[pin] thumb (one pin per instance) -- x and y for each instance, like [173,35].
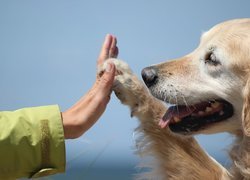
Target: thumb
[107,79]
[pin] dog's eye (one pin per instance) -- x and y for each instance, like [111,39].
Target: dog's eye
[211,59]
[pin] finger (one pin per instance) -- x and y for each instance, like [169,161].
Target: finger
[113,48]
[116,52]
[106,81]
[104,54]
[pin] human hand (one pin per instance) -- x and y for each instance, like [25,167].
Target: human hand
[83,115]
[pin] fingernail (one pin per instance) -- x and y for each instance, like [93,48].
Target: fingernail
[107,38]
[109,67]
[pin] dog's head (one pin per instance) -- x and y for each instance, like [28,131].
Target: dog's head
[208,88]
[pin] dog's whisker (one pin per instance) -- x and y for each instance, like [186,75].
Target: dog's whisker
[176,100]
[188,107]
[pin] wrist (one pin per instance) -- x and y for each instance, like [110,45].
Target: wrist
[70,125]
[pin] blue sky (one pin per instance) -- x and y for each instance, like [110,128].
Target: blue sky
[48,52]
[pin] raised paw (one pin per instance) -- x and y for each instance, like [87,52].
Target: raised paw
[121,67]
[122,71]
[123,89]
[128,88]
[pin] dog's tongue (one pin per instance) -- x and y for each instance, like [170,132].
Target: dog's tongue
[175,112]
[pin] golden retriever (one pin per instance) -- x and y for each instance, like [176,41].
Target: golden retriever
[208,90]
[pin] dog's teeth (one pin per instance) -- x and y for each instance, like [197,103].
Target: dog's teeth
[201,113]
[209,109]
[177,119]
[215,105]
[221,113]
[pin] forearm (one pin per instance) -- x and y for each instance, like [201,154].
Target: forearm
[31,142]
[177,157]
[83,115]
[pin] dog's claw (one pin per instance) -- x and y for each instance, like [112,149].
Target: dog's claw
[132,114]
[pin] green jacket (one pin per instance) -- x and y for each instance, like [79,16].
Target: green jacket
[31,143]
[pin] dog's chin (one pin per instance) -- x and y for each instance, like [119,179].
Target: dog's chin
[192,119]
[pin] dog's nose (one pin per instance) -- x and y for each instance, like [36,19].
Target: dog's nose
[149,75]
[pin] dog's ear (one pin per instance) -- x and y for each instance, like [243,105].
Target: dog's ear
[246,108]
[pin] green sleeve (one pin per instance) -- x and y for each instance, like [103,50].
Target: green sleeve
[31,142]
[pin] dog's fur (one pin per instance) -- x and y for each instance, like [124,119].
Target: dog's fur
[189,80]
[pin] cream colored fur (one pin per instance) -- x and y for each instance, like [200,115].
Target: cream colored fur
[179,157]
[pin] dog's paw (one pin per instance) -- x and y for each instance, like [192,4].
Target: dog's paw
[122,78]
[128,88]
[121,67]
[124,87]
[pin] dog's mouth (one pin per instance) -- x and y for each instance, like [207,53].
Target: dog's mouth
[186,119]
